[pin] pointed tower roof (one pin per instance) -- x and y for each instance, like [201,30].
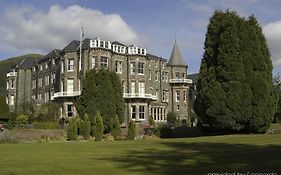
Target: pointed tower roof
[176,59]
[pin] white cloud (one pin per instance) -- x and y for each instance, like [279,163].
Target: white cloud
[25,29]
[272,33]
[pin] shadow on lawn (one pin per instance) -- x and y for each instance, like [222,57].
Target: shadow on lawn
[202,158]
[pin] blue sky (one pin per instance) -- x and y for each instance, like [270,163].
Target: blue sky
[39,26]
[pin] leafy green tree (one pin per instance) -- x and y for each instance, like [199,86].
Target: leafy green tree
[98,127]
[115,127]
[72,131]
[22,120]
[132,133]
[48,112]
[235,90]
[4,108]
[28,108]
[102,92]
[85,126]
[172,119]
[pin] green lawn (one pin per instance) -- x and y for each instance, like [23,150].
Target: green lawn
[239,153]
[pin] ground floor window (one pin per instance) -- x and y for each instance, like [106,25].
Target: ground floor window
[133,112]
[141,112]
[70,110]
[159,113]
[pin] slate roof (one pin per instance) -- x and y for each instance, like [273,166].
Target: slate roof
[27,63]
[176,58]
[155,57]
[117,43]
[73,45]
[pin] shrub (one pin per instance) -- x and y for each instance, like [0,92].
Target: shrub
[72,129]
[22,120]
[109,138]
[115,127]
[85,126]
[172,119]
[46,125]
[43,139]
[98,127]
[131,135]
[166,131]
[49,112]
[5,135]
[10,124]
[151,121]
[152,131]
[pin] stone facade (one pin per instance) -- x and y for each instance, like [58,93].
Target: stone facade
[151,85]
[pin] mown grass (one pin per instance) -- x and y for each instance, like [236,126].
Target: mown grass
[238,153]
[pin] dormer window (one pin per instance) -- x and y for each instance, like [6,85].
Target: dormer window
[136,50]
[98,43]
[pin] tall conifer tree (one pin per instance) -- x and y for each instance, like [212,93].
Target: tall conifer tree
[235,70]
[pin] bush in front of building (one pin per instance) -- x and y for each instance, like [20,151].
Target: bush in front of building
[48,112]
[98,127]
[131,135]
[102,92]
[22,120]
[172,119]
[179,132]
[72,132]
[85,126]
[115,127]
[151,121]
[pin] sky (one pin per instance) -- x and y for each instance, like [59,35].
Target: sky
[37,26]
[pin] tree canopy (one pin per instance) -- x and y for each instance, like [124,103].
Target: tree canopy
[235,91]
[102,91]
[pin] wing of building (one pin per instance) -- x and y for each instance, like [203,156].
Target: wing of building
[152,86]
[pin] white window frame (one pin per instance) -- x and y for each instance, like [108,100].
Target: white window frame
[12,84]
[177,95]
[142,88]
[132,68]
[94,62]
[70,85]
[70,64]
[141,69]
[133,111]
[12,100]
[119,65]
[103,64]
[141,112]
[133,87]
[71,111]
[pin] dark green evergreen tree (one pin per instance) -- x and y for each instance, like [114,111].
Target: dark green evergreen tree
[132,133]
[72,131]
[102,92]
[4,109]
[115,127]
[97,127]
[85,126]
[234,71]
